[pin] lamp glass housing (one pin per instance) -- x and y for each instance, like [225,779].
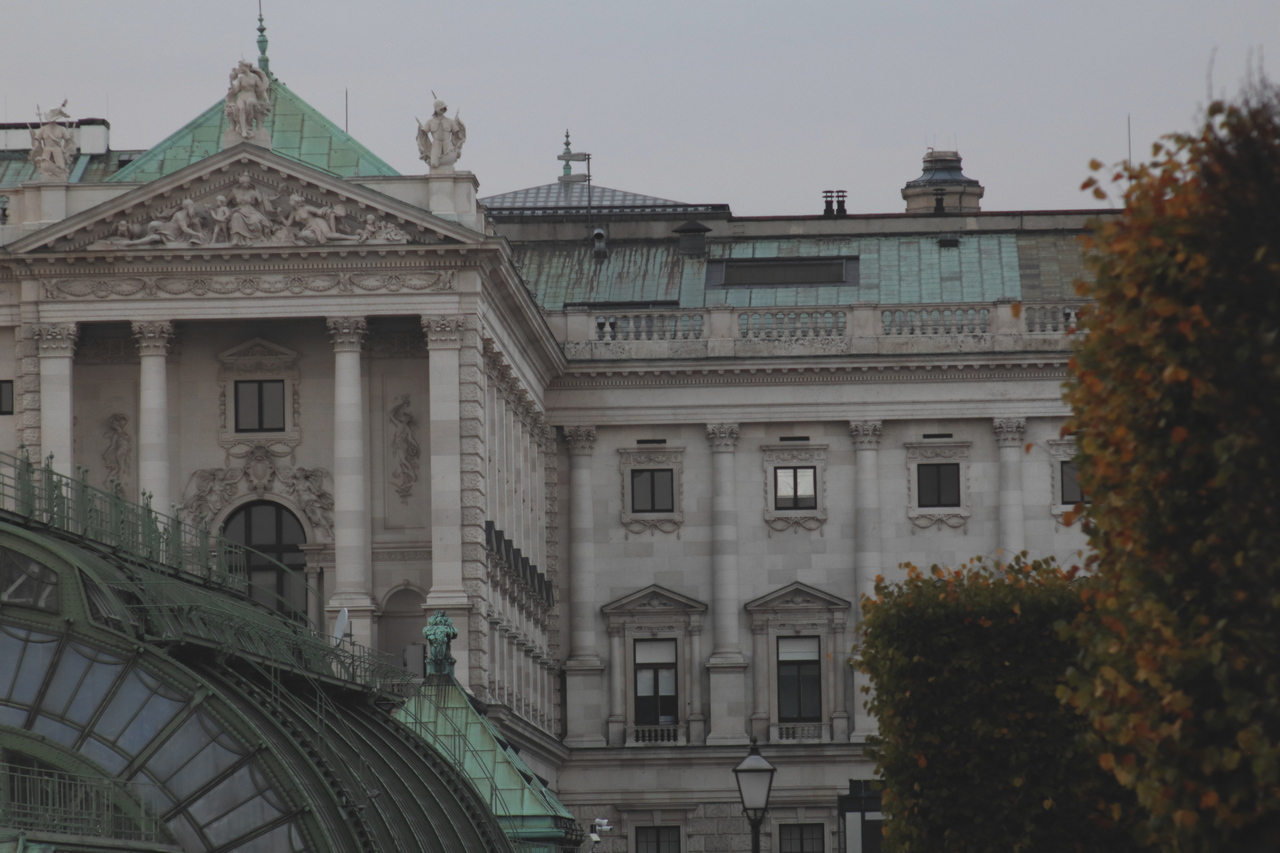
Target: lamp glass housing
[755,782]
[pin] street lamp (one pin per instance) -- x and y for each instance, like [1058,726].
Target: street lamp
[755,782]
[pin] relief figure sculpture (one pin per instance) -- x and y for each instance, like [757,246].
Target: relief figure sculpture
[405,451]
[248,223]
[117,456]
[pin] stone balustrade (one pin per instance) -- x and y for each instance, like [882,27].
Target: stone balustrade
[861,329]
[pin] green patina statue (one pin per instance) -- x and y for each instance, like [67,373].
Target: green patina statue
[439,633]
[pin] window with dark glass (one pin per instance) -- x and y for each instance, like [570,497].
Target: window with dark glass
[260,405]
[657,839]
[799,680]
[653,490]
[274,534]
[795,488]
[939,484]
[26,582]
[6,396]
[800,838]
[656,683]
[1071,491]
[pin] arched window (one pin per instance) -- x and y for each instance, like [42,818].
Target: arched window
[272,531]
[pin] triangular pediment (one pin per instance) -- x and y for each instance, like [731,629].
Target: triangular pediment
[797,596]
[245,198]
[258,351]
[654,599]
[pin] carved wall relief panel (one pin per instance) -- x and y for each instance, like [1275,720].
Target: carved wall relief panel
[405,450]
[260,473]
[117,452]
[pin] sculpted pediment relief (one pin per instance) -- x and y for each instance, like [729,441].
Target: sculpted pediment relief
[654,599]
[240,198]
[258,354]
[797,597]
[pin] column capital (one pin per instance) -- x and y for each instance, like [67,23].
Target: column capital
[723,438]
[55,339]
[581,439]
[865,434]
[153,337]
[347,333]
[443,331]
[1009,431]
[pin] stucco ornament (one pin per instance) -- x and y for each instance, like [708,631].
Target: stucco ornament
[439,634]
[248,101]
[210,490]
[405,450]
[117,455]
[52,145]
[179,228]
[440,139]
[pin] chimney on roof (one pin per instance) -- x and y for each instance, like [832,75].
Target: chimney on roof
[942,188]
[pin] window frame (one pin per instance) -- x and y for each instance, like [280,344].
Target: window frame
[656,668]
[652,507]
[821,826]
[794,455]
[6,397]
[260,384]
[259,360]
[652,458]
[935,452]
[674,829]
[780,664]
[937,500]
[1061,450]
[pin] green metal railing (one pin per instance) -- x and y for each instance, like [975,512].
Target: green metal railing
[152,542]
[43,800]
[71,505]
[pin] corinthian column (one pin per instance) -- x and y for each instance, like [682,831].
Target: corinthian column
[353,586]
[153,412]
[866,532]
[727,665]
[56,344]
[1009,436]
[585,700]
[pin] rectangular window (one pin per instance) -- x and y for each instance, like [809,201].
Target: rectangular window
[800,838]
[656,683]
[260,405]
[1071,492]
[939,484]
[795,488]
[653,490]
[6,397]
[799,680]
[657,839]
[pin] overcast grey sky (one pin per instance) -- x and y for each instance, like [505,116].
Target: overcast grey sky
[758,104]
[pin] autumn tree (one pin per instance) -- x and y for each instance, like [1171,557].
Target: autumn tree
[976,752]
[1176,395]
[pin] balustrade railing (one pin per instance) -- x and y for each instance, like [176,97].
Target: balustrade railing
[800,731]
[669,734]
[36,799]
[649,327]
[937,320]
[791,324]
[1051,319]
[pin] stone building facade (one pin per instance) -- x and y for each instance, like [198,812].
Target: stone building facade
[646,454]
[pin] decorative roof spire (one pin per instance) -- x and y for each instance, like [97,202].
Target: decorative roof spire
[568,167]
[263,62]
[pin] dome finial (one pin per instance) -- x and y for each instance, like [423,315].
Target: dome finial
[263,62]
[568,168]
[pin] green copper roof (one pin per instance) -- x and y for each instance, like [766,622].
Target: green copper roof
[532,817]
[298,131]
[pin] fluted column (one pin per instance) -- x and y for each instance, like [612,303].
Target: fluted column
[584,700]
[727,665]
[353,569]
[867,559]
[153,411]
[1009,433]
[56,344]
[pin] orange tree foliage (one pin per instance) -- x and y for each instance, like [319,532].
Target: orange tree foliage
[976,752]
[1176,394]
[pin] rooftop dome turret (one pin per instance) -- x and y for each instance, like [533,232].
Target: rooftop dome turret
[942,187]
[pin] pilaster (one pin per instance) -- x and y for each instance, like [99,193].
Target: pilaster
[1009,435]
[584,700]
[55,345]
[727,665]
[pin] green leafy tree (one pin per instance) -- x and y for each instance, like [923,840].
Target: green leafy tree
[976,751]
[1176,393]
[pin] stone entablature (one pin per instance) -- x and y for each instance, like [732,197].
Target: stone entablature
[825,330]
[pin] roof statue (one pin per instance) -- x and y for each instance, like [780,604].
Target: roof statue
[440,140]
[52,145]
[247,105]
[439,633]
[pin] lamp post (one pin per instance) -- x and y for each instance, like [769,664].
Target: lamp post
[755,782]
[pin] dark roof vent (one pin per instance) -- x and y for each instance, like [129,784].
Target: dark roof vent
[693,238]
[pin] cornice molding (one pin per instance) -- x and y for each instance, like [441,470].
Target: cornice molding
[815,375]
